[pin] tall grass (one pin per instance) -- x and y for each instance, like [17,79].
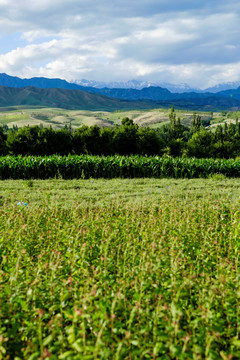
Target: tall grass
[69,167]
[158,281]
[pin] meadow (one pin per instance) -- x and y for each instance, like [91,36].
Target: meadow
[120,269]
[57,118]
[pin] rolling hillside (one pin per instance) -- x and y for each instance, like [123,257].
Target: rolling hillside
[82,100]
[58,118]
[62,98]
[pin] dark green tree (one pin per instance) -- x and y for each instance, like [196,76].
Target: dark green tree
[196,123]
[200,145]
[175,147]
[106,141]
[3,146]
[126,121]
[148,142]
[126,138]
[86,140]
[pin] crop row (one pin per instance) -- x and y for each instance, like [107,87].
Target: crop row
[86,166]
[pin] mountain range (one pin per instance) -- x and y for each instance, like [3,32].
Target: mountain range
[135,84]
[64,98]
[138,84]
[40,91]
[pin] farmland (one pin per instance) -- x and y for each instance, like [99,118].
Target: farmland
[120,269]
[57,118]
[108,167]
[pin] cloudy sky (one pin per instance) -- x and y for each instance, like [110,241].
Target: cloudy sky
[191,41]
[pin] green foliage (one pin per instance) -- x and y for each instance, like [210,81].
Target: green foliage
[175,147]
[174,139]
[126,121]
[172,117]
[200,144]
[149,142]
[196,123]
[73,166]
[86,140]
[126,138]
[3,146]
[150,280]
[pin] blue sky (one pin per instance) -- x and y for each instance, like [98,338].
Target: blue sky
[176,41]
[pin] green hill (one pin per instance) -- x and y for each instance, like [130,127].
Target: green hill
[67,99]
[82,100]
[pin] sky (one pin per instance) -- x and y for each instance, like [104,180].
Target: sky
[176,41]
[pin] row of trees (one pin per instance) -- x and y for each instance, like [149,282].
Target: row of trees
[173,139]
[125,139]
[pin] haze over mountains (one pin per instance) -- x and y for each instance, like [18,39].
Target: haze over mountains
[14,81]
[137,84]
[60,93]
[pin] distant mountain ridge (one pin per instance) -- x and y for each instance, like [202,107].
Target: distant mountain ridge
[82,100]
[149,92]
[139,85]
[64,94]
[222,87]
[40,82]
[135,84]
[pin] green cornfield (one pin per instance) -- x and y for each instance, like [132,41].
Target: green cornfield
[70,167]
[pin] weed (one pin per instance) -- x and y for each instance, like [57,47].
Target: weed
[146,278]
[29,183]
[217,176]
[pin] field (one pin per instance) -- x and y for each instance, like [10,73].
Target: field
[119,269]
[58,118]
[116,166]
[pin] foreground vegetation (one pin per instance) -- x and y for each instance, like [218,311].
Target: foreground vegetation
[119,269]
[86,166]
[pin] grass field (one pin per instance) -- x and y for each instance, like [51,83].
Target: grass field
[57,118]
[119,269]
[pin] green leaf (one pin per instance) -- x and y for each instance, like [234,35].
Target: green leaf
[48,339]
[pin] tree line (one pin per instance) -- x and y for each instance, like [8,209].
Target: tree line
[173,139]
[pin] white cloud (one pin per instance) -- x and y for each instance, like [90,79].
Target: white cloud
[172,41]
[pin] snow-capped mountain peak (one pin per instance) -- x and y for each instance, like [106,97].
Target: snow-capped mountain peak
[223,86]
[135,84]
